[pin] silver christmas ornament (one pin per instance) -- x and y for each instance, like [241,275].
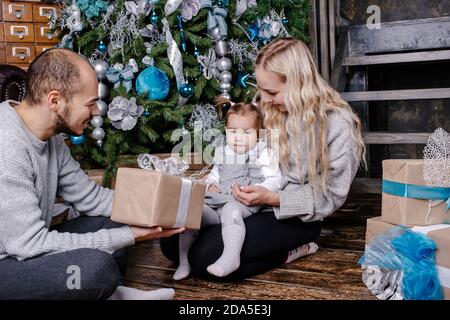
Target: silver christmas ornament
[103,90]
[100,143]
[97,121]
[222,48]
[224,64]
[225,95]
[100,67]
[225,86]
[102,107]
[214,33]
[184,131]
[215,73]
[226,76]
[98,133]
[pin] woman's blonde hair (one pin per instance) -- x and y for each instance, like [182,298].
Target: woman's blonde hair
[309,98]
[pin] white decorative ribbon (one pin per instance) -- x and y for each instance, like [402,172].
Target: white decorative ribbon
[175,59]
[243,5]
[171,165]
[171,6]
[427,229]
[138,7]
[183,205]
[444,276]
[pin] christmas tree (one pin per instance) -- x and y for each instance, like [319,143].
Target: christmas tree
[161,64]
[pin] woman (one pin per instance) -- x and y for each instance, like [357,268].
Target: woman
[319,147]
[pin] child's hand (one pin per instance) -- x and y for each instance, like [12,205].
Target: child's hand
[213,188]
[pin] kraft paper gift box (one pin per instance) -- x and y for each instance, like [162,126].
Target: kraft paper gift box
[150,198]
[409,211]
[439,233]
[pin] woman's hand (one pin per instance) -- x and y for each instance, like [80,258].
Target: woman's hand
[256,196]
[142,234]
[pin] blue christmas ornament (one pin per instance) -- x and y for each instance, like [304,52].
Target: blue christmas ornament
[285,21]
[196,51]
[146,113]
[154,83]
[186,90]
[253,31]
[154,18]
[77,140]
[222,3]
[102,47]
[242,79]
[182,34]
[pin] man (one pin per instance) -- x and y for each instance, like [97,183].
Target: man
[79,259]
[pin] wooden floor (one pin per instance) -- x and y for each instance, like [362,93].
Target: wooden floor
[331,273]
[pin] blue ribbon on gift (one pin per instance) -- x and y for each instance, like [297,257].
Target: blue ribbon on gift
[118,77]
[416,191]
[216,17]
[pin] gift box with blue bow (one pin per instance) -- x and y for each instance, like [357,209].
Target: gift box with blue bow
[407,199]
[407,263]
[417,192]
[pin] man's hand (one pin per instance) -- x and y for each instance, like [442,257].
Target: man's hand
[142,234]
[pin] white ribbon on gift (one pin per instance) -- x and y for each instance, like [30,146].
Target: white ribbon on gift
[443,272]
[183,205]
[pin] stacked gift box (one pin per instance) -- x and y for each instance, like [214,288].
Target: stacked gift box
[160,192]
[150,198]
[148,194]
[408,201]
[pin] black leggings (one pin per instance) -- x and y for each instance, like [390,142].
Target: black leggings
[267,243]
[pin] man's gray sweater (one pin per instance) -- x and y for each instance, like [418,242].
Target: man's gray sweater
[32,174]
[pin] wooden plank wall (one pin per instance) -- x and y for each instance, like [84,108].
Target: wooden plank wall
[355,11]
[323,23]
[420,102]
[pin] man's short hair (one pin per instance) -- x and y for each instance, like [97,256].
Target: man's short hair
[54,69]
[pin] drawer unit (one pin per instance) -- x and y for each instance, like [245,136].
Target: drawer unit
[44,12]
[2,53]
[41,48]
[24,30]
[19,32]
[20,53]
[44,34]
[17,11]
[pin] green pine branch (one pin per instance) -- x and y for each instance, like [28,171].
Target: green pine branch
[154,130]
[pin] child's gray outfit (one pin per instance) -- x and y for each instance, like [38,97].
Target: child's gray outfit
[258,166]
